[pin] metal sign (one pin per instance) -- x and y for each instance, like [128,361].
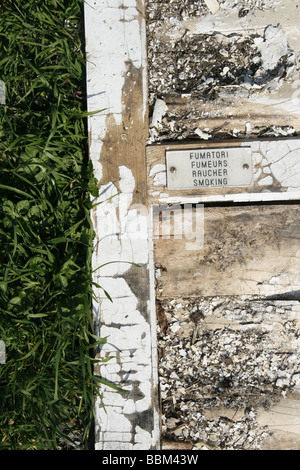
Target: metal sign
[209,168]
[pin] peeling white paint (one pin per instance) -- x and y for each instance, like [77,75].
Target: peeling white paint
[202,134]
[267,181]
[115,36]
[126,182]
[268,91]
[213,6]
[160,167]
[291,194]
[160,179]
[273,46]
[160,109]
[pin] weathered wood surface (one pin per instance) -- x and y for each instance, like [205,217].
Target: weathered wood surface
[229,373]
[227,295]
[233,72]
[228,326]
[276,173]
[117,84]
[247,250]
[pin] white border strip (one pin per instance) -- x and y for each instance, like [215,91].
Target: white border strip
[115,36]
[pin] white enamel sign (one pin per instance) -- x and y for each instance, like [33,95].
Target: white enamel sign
[209,168]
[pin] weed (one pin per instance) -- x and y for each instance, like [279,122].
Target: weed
[47,387]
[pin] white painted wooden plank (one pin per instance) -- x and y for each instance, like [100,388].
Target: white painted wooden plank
[117,81]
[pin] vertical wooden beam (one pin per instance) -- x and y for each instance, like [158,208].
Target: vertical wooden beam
[117,84]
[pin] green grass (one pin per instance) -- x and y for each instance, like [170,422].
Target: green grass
[47,387]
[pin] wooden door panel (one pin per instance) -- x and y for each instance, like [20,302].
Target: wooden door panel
[248,250]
